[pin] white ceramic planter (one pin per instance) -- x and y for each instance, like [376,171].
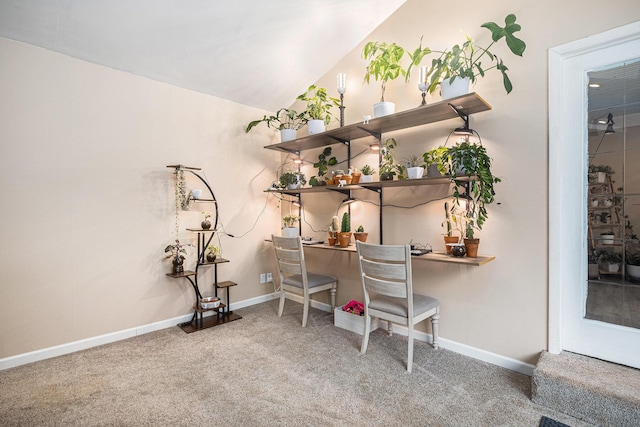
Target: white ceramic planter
[288,135]
[457,88]
[634,271]
[601,177]
[366,178]
[415,172]
[607,239]
[316,126]
[290,232]
[613,268]
[383,109]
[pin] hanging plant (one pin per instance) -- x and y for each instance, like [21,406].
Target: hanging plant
[183,195]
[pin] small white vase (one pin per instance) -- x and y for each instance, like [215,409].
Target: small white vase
[459,87]
[383,109]
[415,172]
[288,135]
[290,232]
[316,126]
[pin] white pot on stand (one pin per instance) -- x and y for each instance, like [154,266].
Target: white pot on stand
[290,232]
[459,87]
[415,172]
[288,135]
[383,109]
[316,126]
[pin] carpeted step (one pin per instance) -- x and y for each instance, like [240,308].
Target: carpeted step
[595,391]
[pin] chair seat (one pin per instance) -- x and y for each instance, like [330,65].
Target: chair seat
[314,279]
[398,306]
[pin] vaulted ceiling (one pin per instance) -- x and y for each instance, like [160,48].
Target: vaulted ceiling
[257,53]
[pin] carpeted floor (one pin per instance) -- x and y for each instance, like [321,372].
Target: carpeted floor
[267,371]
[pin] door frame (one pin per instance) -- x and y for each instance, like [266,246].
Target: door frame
[568,131]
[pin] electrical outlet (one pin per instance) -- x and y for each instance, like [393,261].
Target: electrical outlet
[263,278]
[269,277]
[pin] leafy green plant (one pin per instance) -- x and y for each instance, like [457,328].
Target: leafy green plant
[324,161]
[292,178]
[601,168]
[610,257]
[290,221]
[632,258]
[475,162]
[384,63]
[346,223]
[176,251]
[319,104]
[386,165]
[367,170]
[436,156]
[283,119]
[414,161]
[466,60]
[213,250]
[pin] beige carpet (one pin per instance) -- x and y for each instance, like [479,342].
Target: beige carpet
[266,371]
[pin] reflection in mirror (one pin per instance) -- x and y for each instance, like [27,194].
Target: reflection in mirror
[614,194]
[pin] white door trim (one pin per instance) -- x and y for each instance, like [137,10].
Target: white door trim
[567,133]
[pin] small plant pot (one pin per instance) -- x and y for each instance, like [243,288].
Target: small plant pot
[332,241]
[355,177]
[366,178]
[613,268]
[361,236]
[290,232]
[459,87]
[316,126]
[206,224]
[344,238]
[288,135]
[448,240]
[471,246]
[433,171]
[633,271]
[347,179]
[457,249]
[211,257]
[607,239]
[386,176]
[415,172]
[383,109]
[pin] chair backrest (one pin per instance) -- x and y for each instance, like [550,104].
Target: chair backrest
[289,257]
[385,270]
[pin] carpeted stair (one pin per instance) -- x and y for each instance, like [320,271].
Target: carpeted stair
[592,390]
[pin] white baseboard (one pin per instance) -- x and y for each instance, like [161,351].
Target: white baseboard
[47,353]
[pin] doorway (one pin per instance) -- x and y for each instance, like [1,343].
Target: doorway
[587,307]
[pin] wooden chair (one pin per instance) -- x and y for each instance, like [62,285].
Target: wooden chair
[294,277]
[388,292]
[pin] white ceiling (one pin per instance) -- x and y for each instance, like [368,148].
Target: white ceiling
[257,53]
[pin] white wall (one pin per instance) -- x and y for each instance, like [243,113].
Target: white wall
[500,307]
[88,204]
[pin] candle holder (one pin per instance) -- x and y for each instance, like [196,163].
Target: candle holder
[422,83]
[342,88]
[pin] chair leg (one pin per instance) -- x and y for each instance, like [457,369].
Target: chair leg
[281,307]
[435,319]
[365,335]
[410,349]
[333,297]
[305,310]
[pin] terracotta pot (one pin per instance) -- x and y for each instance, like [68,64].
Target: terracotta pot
[347,178]
[472,247]
[450,239]
[332,241]
[355,177]
[361,236]
[344,239]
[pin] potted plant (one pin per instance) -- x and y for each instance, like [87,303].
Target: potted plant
[285,120]
[206,224]
[292,180]
[367,173]
[384,65]
[177,254]
[356,175]
[451,224]
[434,161]
[290,225]
[318,109]
[212,253]
[324,161]
[387,168]
[611,260]
[607,237]
[598,173]
[474,161]
[333,230]
[633,264]
[360,234]
[344,236]
[462,64]
[415,168]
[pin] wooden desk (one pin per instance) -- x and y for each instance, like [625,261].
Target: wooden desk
[432,257]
